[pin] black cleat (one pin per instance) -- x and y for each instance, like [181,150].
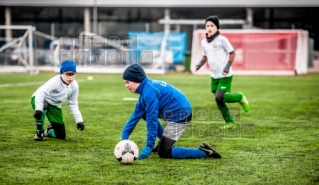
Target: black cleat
[210,152]
[39,135]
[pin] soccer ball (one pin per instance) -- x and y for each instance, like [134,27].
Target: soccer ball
[126,151]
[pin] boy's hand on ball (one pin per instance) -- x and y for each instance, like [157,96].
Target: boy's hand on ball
[80,126]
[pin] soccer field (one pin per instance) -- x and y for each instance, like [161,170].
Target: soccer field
[277,141]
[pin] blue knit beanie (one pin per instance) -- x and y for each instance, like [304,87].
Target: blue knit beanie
[67,65]
[134,73]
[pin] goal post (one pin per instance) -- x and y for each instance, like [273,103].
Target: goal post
[23,49]
[260,52]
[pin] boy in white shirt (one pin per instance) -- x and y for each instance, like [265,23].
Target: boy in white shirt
[220,54]
[48,98]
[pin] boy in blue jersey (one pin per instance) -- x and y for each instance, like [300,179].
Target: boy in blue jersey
[158,99]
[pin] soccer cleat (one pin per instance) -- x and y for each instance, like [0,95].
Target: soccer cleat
[229,126]
[39,135]
[46,132]
[244,102]
[210,152]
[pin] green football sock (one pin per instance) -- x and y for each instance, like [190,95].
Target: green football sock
[225,113]
[52,133]
[232,98]
[40,123]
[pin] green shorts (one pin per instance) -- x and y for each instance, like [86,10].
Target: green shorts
[54,114]
[221,84]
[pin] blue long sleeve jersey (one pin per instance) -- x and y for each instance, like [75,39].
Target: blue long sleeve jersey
[157,99]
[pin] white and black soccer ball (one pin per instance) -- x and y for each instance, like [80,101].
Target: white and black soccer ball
[126,151]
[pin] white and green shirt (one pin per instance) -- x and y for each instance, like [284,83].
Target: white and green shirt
[55,92]
[217,53]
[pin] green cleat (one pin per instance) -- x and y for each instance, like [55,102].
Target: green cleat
[244,102]
[228,126]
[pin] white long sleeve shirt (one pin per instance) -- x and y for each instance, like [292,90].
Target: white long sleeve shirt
[55,92]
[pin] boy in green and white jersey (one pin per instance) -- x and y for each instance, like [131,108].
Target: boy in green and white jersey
[220,54]
[48,98]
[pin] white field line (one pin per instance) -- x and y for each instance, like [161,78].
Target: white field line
[27,84]
[129,99]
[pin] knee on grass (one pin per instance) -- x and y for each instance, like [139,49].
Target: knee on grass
[165,153]
[61,136]
[59,130]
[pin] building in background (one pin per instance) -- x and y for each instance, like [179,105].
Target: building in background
[118,18]
[109,18]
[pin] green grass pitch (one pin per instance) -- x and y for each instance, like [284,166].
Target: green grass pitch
[277,141]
